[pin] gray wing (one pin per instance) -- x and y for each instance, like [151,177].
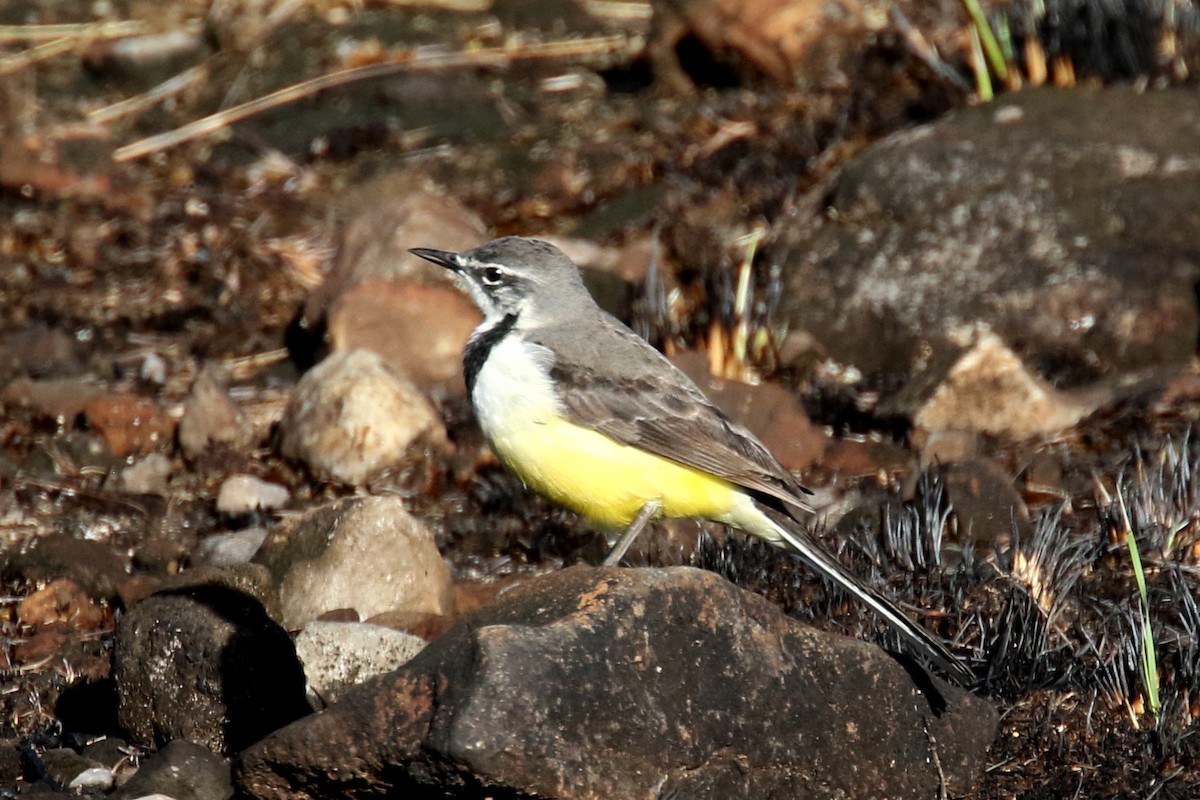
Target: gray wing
[641,399]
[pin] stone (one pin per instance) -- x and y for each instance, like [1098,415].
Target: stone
[769,411]
[60,399]
[1050,218]
[210,417]
[989,390]
[38,351]
[351,418]
[338,655]
[183,771]
[244,494]
[204,663]
[418,330]
[93,779]
[93,566]
[234,547]
[130,424]
[380,297]
[987,507]
[64,765]
[60,601]
[605,683]
[790,42]
[147,475]
[365,553]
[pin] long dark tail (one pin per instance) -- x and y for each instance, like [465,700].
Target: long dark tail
[784,532]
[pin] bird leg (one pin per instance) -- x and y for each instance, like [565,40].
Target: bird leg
[636,527]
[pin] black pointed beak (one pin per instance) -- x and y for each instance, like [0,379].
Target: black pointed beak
[443,258]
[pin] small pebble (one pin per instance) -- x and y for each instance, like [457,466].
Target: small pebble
[223,549]
[93,779]
[242,494]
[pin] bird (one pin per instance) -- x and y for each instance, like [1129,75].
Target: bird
[590,415]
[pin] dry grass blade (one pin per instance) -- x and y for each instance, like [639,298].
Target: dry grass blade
[83,30]
[411,61]
[139,103]
[42,52]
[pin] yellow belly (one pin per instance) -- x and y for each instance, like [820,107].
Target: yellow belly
[606,481]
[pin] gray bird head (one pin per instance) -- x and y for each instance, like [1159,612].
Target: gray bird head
[528,278]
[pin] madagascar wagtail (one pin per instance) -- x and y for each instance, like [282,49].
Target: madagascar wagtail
[590,415]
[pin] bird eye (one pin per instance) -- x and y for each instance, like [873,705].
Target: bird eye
[493,275]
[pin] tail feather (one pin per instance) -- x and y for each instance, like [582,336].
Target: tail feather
[779,530]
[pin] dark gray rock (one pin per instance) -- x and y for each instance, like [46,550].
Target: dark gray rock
[92,565]
[183,771]
[39,352]
[64,765]
[603,683]
[1064,221]
[204,663]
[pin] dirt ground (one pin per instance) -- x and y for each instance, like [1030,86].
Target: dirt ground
[124,271]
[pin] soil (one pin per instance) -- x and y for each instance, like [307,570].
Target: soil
[124,278]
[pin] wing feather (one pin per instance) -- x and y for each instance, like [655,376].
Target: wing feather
[646,402]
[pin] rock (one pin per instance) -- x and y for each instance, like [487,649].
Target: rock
[589,683]
[772,413]
[365,553]
[338,655]
[39,352]
[60,601]
[791,42]
[235,547]
[419,331]
[244,494]
[64,766]
[129,424]
[987,506]
[145,60]
[93,779]
[210,417]
[147,475]
[988,390]
[11,769]
[207,664]
[380,297]
[93,566]
[351,418]
[60,399]
[1051,218]
[253,580]
[183,771]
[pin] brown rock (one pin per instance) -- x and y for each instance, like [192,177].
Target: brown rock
[382,298]
[418,330]
[789,41]
[623,683]
[93,566]
[42,645]
[39,352]
[772,413]
[61,601]
[987,506]
[129,424]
